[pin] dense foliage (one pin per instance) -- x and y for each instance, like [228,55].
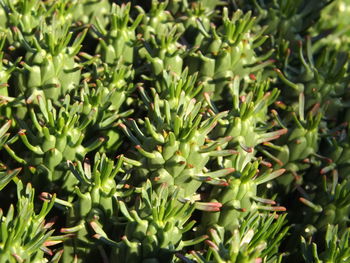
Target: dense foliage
[174,131]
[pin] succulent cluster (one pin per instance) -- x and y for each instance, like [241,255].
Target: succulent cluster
[190,131]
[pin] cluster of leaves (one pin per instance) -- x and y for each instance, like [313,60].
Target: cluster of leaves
[174,131]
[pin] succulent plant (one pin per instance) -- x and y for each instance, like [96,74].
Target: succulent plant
[25,236]
[119,41]
[337,151]
[297,16]
[26,15]
[6,175]
[255,240]
[335,31]
[246,122]
[228,51]
[164,52]
[90,11]
[53,136]
[158,20]
[328,206]
[196,20]
[322,81]
[336,247]
[49,68]
[93,197]
[154,229]
[106,93]
[222,115]
[239,197]
[6,68]
[174,149]
[297,151]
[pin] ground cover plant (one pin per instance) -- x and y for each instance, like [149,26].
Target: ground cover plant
[174,131]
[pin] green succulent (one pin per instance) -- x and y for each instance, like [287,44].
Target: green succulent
[337,151]
[327,204]
[336,14]
[256,240]
[321,80]
[164,52]
[26,15]
[93,197]
[25,236]
[227,52]
[221,114]
[107,94]
[298,149]
[49,68]
[6,68]
[158,20]
[240,197]
[171,142]
[53,136]
[336,247]
[246,122]
[90,11]
[119,41]
[297,16]
[6,175]
[155,227]
[196,22]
